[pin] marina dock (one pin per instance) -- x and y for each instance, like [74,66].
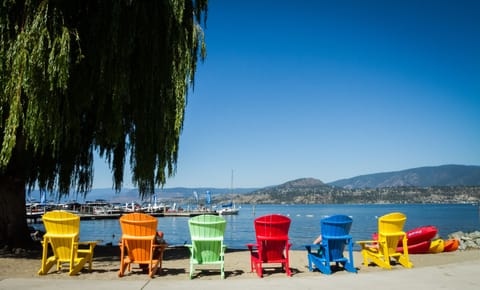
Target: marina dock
[37,216]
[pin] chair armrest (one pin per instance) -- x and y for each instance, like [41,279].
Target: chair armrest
[287,246]
[313,247]
[251,246]
[89,243]
[189,247]
[368,244]
[161,247]
[343,237]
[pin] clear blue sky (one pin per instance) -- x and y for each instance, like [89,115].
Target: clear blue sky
[330,90]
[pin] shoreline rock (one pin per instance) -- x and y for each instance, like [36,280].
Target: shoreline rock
[467,240]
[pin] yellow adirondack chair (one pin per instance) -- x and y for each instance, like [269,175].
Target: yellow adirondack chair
[138,245]
[380,251]
[206,232]
[62,233]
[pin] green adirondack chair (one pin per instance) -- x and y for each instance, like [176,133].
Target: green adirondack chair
[206,233]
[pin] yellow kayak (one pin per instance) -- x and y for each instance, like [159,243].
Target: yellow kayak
[436,246]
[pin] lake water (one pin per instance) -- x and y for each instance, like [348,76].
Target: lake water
[305,226]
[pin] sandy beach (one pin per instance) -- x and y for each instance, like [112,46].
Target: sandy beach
[176,265]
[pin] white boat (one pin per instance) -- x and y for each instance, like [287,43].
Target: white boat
[228,209]
[153,208]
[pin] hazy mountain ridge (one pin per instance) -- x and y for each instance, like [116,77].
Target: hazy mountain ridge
[442,184]
[444,175]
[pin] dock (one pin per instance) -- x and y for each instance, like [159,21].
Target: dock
[155,214]
[36,217]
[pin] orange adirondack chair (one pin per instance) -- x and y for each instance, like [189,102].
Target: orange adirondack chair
[272,243]
[62,233]
[138,245]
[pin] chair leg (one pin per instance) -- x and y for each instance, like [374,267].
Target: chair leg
[258,267]
[191,270]
[47,265]
[403,259]
[124,264]
[350,267]
[252,265]
[78,267]
[310,266]
[153,268]
[287,269]
[405,262]
[365,258]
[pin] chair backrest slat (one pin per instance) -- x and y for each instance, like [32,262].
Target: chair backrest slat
[207,234]
[390,229]
[332,229]
[272,236]
[138,233]
[63,230]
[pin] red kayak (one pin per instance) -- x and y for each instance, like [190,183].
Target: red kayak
[417,235]
[420,234]
[419,248]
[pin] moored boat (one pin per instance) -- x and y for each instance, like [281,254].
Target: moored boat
[228,211]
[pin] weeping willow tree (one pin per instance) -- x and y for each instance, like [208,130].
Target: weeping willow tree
[79,76]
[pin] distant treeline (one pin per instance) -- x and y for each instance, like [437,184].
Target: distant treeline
[335,195]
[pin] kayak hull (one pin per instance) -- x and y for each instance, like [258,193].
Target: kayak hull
[419,248]
[417,235]
[451,245]
[437,246]
[421,234]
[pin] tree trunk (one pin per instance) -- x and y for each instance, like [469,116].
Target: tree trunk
[14,230]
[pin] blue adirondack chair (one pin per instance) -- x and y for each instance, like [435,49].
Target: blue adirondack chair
[335,236]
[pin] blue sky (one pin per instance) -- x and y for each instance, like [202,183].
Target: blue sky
[329,90]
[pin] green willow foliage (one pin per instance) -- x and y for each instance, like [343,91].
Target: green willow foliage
[85,75]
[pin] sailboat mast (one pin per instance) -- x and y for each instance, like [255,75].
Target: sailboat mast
[231,183]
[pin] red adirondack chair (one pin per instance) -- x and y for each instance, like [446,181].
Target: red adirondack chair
[272,243]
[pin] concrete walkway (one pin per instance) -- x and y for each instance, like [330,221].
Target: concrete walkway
[464,275]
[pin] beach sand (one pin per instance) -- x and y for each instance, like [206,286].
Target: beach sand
[176,265]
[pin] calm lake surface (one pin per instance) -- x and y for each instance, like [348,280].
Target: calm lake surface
[305,226]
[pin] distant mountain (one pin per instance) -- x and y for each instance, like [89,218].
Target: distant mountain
[442,184]
[445,175]
[295,191]
[301,182]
